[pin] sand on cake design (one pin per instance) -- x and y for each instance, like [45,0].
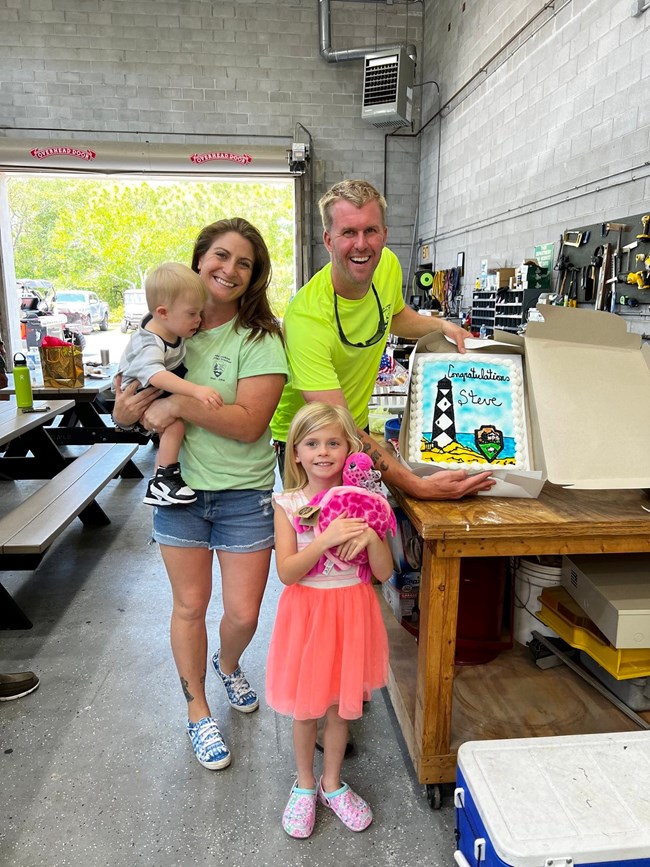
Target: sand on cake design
[468,411]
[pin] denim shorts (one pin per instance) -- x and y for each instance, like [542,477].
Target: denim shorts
[237,521]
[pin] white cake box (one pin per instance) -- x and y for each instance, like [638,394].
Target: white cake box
[510,482]
[587,389]
[614,591]
[574,801]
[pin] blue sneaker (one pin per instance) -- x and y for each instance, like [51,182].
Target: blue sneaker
[209,746]
[240,694]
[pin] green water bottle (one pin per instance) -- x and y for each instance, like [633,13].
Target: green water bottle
[22,383]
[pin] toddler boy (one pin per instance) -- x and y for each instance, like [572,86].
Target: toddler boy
[154,356]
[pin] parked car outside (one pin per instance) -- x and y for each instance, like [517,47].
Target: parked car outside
[83,308]
[38,317]
[135,307]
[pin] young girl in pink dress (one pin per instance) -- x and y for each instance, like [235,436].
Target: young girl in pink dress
[329,648]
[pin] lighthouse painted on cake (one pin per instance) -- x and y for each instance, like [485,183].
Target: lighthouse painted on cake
[467,411]
[444,424]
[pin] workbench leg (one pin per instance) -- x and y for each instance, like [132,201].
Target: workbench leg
[439,586]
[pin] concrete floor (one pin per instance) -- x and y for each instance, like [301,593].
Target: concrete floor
[95,766]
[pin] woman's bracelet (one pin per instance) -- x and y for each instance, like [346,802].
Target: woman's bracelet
[126,428]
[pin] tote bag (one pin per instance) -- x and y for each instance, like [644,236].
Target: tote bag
[62,366]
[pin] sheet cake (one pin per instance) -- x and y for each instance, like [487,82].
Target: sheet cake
[467,411]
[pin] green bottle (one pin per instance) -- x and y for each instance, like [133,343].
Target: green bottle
[22,382]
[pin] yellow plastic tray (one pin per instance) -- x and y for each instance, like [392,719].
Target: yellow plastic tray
[621,664]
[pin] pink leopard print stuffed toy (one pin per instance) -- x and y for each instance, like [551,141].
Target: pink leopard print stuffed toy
[359,496]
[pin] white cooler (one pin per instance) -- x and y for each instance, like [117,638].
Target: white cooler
[575,801]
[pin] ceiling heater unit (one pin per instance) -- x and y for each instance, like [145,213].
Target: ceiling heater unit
[388,89]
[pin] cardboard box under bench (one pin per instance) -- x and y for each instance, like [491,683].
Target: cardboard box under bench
[402,602]
[614,591]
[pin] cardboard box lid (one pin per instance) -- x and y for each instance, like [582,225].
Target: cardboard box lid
[589,399]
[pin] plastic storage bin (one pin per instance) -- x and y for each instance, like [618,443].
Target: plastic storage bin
[576,801]
[559,611]
[634,692]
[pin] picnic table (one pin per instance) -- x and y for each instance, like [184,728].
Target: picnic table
[73,482]
[83,423]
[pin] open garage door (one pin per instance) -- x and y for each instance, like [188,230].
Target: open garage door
[131,162]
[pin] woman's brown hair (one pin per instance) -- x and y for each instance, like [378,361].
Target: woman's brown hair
[254,310]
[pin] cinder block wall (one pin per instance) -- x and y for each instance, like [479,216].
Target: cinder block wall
[550,129]
[163,69]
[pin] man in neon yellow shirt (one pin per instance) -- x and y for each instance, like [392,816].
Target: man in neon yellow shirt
[337,325]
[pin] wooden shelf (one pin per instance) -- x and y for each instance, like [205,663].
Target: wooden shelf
[512,697]
[508,697]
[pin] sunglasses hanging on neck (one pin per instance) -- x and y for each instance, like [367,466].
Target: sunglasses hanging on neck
[377,336]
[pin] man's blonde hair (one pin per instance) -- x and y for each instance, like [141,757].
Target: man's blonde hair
[171,282]
[357,192]
[308,419]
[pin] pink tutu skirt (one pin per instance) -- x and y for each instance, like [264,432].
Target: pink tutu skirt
[329,647]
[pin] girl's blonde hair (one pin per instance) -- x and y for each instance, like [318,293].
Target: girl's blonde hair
[171,282]
[308,419]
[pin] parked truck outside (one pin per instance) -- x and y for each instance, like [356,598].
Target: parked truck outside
[84,310]
[135,307]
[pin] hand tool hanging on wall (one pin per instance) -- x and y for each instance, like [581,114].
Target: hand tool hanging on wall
[572,238]
[562,259]
[645,233]
[561,264]
[628,249]
[571,298]
[610,303]
[596,262]
[557,298]
[602,276]
[606,228]
[587,283]
[575,238]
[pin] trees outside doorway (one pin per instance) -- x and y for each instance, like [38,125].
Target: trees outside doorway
[106,234]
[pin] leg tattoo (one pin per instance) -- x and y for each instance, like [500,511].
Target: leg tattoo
[188,695]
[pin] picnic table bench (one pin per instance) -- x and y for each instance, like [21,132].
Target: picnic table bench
[28,530]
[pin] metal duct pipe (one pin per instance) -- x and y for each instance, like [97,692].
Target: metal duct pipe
[325,36]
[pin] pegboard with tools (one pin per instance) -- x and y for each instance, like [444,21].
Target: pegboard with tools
[604,265]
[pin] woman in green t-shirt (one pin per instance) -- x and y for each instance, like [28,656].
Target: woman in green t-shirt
[227,458]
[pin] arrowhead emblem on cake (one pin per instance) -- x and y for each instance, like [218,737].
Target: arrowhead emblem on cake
[489,441]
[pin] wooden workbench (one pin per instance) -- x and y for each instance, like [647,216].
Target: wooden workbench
[440,705]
